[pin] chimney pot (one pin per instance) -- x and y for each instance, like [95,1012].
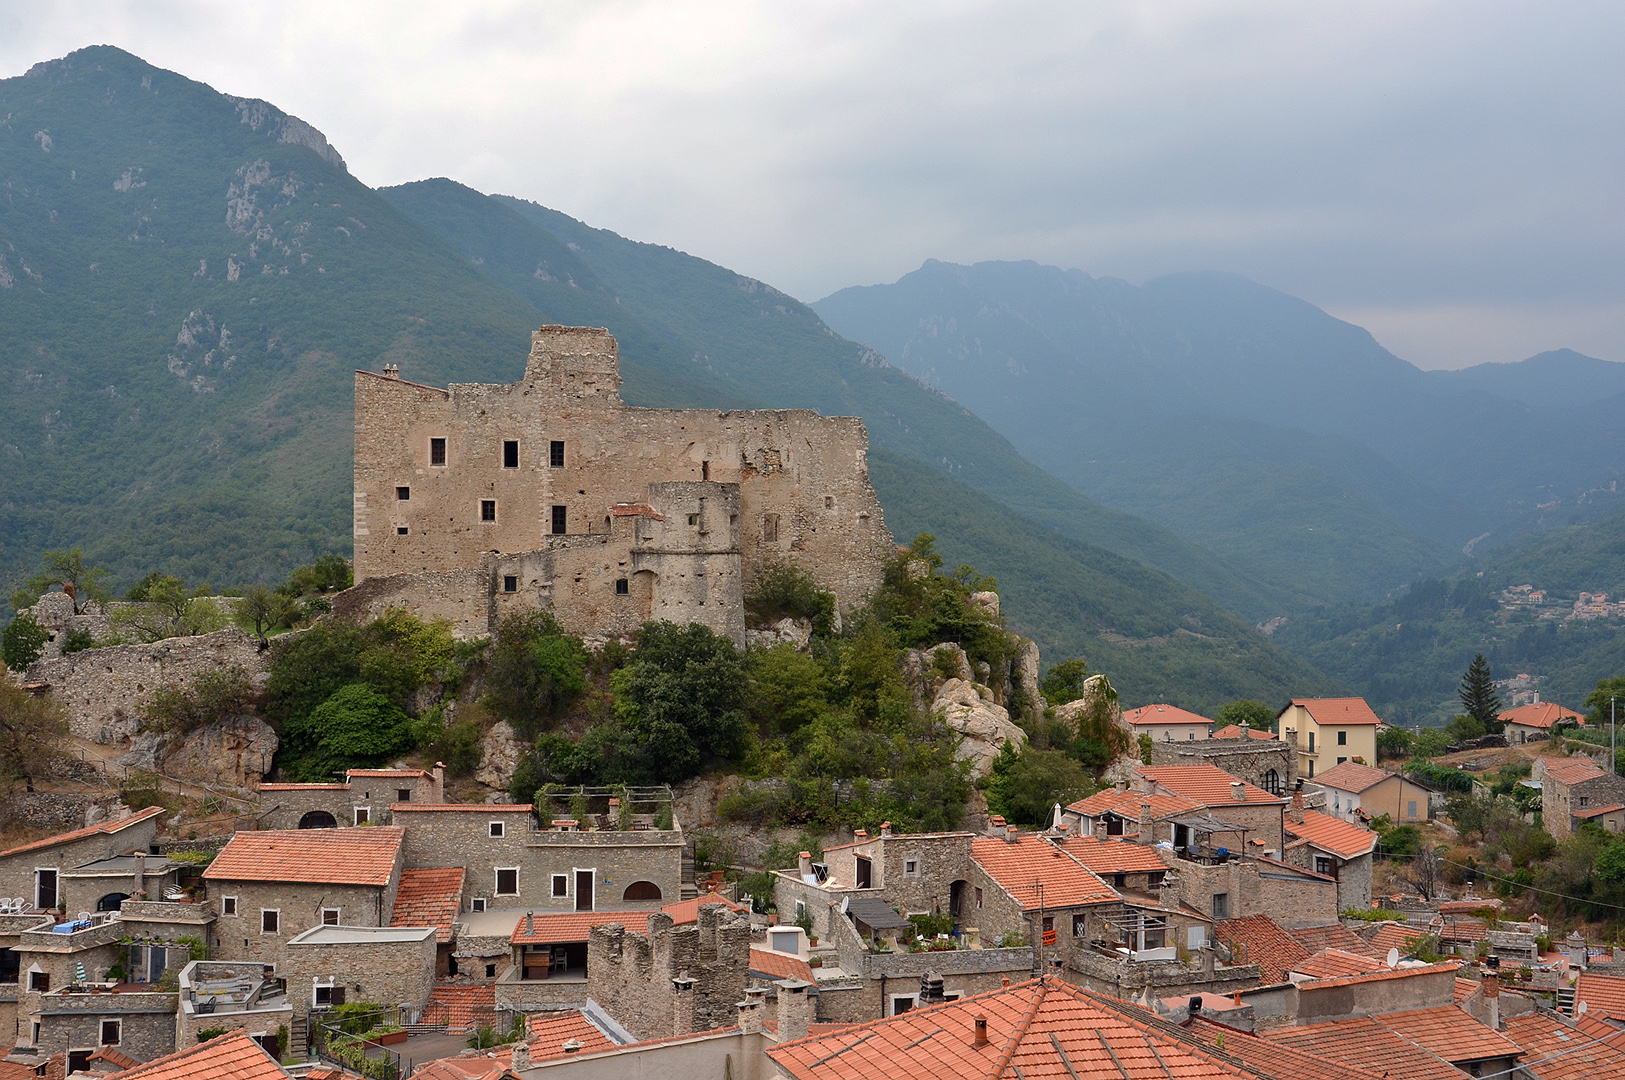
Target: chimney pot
[980,1039]
[805,867]
[860,835]
[1238,791]
[521,1055]
[885,828]
[1195,1004]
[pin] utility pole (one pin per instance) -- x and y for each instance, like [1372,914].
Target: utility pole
[1613,736]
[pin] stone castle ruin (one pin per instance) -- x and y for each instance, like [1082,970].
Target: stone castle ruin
[550,493]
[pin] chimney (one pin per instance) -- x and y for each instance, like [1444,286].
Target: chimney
[682,1004]
[1012,834]
[1147,834]
[996,827]
[930,989]
[1238,791]
[795,1009]
[138,881]
[980,1039]
[859,835]
[750,1014]
[1296,813]
[1195,1007]
[530,923]
[885,828]
[521,1055]
[806,865]
[392,371]
[439,781]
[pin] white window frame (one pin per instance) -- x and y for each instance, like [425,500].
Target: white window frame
[575,875]
[54,870]
[497,830]
[317,985]
[277,912]
[228,906]
[477,903]
[912,999]
[496,880]
[557,892]
[337,913]
[362,814]
[911,868]
[101,1031]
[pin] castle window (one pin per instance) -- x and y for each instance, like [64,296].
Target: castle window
[705,470]
[437,451]
[510,583]
[770,528]
[403,493]
[488,509]
[622,587]
[693,519]
[555,454]
[829,502]
[510,453]
[558,520]
[400,530]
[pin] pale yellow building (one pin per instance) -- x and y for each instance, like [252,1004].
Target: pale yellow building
[1330,731]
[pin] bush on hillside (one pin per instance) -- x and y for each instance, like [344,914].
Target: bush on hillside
[23,642]
[355,728]
[534,671]
[781,591]
[209,696]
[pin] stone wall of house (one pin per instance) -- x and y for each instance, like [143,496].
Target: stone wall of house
[1559,800]
[387,972]
[1256,887]
[1123,978]
[17,871]
[73,1022]
[1354,876]
[799,484]
[631,973]
[300,906]
[1252,760]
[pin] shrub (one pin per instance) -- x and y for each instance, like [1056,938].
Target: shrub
[1247,713]
[23,641]
[356,727]
[1064,681]
[681,700]
[535,671]
[205,1034]
[1025,784]
[210,696]
[783,591]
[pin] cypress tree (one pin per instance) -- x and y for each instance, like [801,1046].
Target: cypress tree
[1478,696]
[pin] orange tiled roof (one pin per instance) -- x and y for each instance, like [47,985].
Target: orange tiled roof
[688,911]
[1045,1029]
[1236,731]
[114,1058]
[461,1007]
[104,828]
[1585,1049]
[1352,776]
[1458,929]
[1542,715]
[1381,976]
[1604,995]
[1332,834]
[304,787]
[1467,907]
[1450,1033]
[234,1056]
[1018,868]
[1207,784]
[1335,963]
[1127,804]
[456,807]
[1338,711]
[1599,811]
[1335,936]
[636,510]
[1113,856]
[550,1031]
[779,965]
[363,856]
[1365,1044]
[385,774]
[1401,936]
[1164,714]
[556,927]
[429,896]
[1465,988]
[1572,770]
[466,1067]
[1265,943]
[1274,1059]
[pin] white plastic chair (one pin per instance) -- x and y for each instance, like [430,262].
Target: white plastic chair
[5,906]
[20,906]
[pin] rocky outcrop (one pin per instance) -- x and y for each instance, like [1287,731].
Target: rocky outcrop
[1025,674]
[797,632]
[969,709]
[501,750]
[232,753]
[1093,687]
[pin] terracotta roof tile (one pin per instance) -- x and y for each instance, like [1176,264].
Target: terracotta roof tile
[1045,1029]
[1365,1044]
[1236,731]
[1113,856]
[1352,776]
[304,787]
[1206,784]
[1164,714]
[1450,1033]
[1127,804]
[1259,939]
[1335,936]
[1467,907]
[102,828]
[429,896]
[463,808]
[1458,929]
[1572,770]
[688,911]
[1339,711]
[235,1056]
[636,510]
[777,965]
[468,1067]
[1599,811]
[114,1058]
[1332,834]
[362,856]
[1542,715]
[556,927]
[1335,963]
[550,1031]
[1020,867]
[1275,1059]
[1381,976]
[1557,1049]
[462,1007]
[1604,995]
[1465,988]
[386,774]
[1401,936]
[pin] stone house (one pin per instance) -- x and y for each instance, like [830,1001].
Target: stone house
[1357,793]
[1026,888]
[1331,846]
[480,499]
[1167,723]
[271,886]
[1236,887]
[365,797]
[1536,721]
[235,996]
[513,864]
[11,930]
[668,979]
[1257,757]
[1329,731]
[918,873]
[1140,816]
[137,1022]
[33,871]
[327,965]
[1223,797]
[432,896]
[1574,789]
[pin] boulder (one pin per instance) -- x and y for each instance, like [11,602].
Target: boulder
[1092,688]
[1025,673]
[231,753]
[986,602]
[501,750]
[986,727]
[787,631]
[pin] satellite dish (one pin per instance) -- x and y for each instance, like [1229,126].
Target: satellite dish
[1393,958]
[1582,1008]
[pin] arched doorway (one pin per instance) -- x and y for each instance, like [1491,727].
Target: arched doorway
[318,819]
[111,901]
[641,890]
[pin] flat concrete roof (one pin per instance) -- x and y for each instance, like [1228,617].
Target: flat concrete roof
[499,923]
[361,935]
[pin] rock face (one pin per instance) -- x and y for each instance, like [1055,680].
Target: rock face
[232,753]
[986,727]
[797,632]
[1093,687]
[501,750]
[1025,673]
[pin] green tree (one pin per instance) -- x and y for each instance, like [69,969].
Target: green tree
[328,574]
[1478,696]
[1429,743]
[1247,713]
[168,609]
[535,671]
[781,590]
[66,567]
[265,610]
[355,728]
[1146,747]
[788,689]
[208,697]
[1464,727]
[23,642]
[1063,682]
[31,733]
[1102,738]
[1393,742]
[682,700]
[1603,697]
[1024,785]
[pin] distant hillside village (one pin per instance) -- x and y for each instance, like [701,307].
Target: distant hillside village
[637,747]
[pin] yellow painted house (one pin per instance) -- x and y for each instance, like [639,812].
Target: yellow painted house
[1330,732]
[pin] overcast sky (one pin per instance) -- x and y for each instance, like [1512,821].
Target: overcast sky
[1448,175]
